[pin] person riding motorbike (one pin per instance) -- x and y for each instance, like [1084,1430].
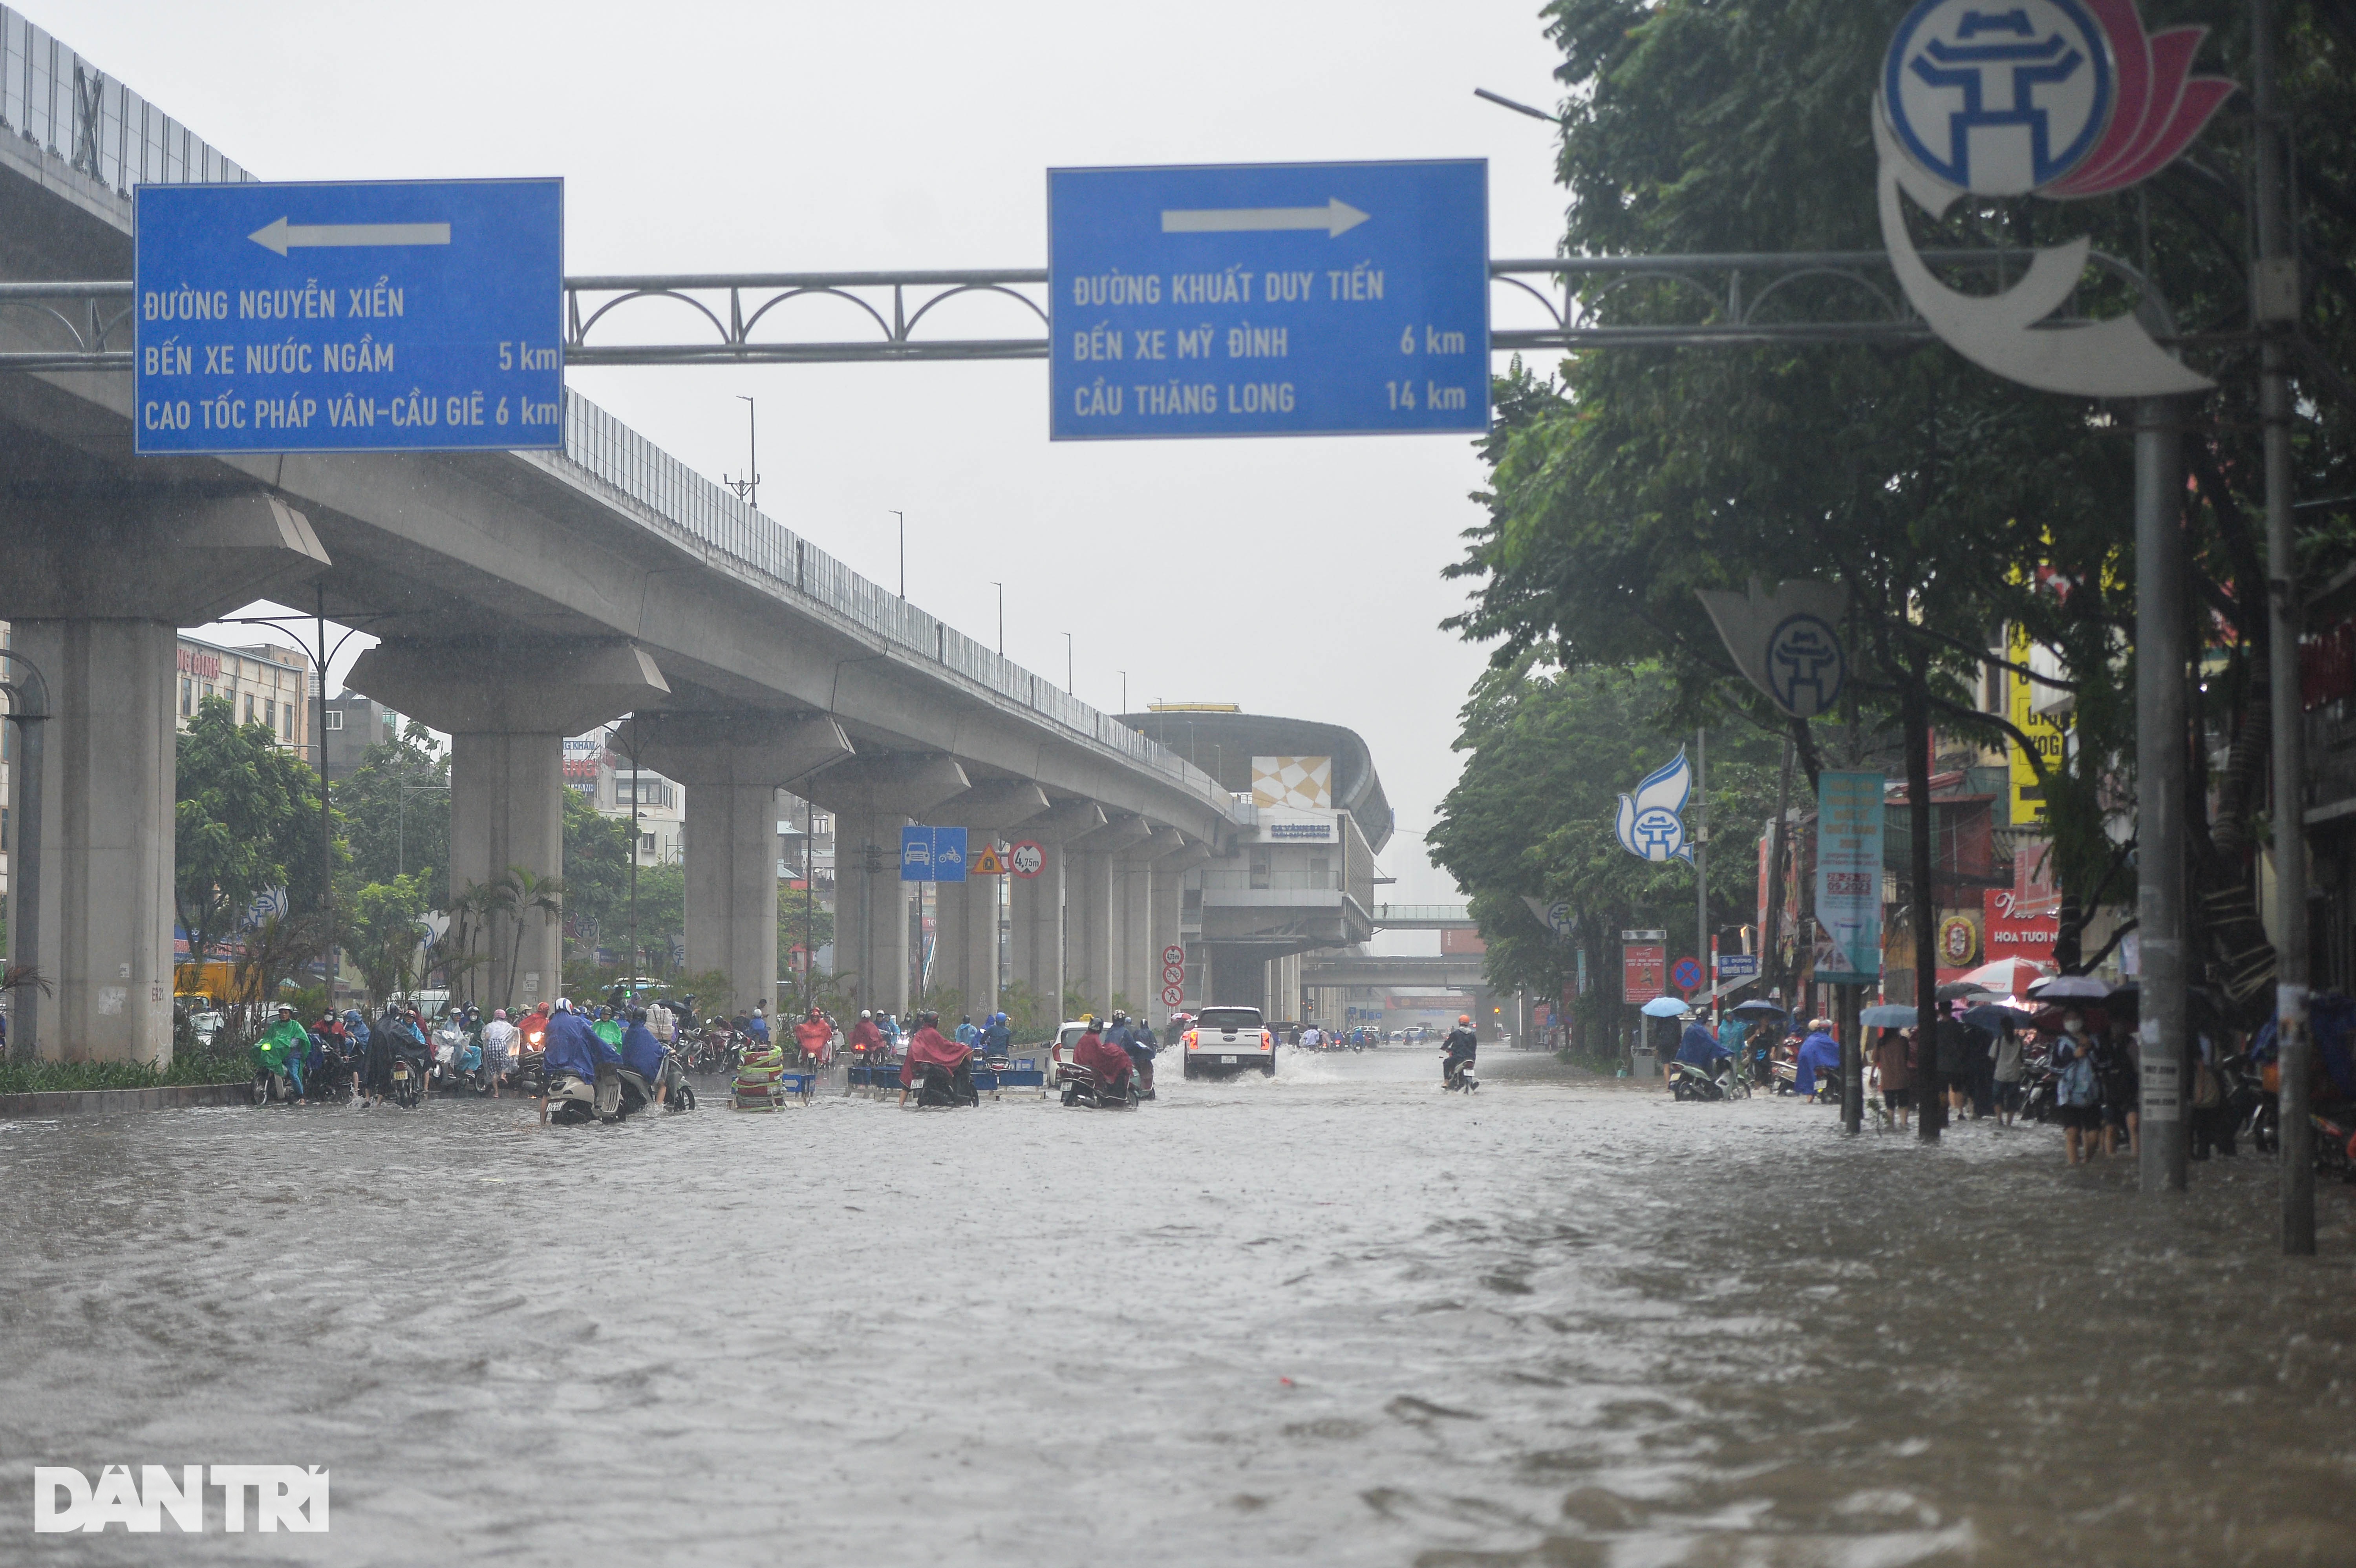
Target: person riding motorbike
[866,1039]
[573,1046]
[1461,1048]
[1698,1046]
[812,1035]
[1110,1063]
[1137,1040]
[997,1039]
[929,1047]
[643,1054]
[280,1051]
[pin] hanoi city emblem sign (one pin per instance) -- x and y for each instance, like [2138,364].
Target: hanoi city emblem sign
[2061,99]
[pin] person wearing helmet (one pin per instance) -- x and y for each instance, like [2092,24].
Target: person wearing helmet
[997,1039]
[866,1039]
[1461,1045]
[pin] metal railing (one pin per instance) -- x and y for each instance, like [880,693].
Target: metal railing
[711,521]
[61,103]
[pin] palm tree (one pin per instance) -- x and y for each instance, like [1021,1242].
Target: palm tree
[531,894]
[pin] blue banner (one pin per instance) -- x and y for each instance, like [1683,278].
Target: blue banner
[932,853]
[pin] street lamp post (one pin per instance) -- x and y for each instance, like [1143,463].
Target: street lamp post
[1067,664]
[1001,618]
[748,489]
[904,549]
[401,823]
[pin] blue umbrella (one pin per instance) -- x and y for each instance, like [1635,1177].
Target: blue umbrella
[1889,1015]
[1665,1008]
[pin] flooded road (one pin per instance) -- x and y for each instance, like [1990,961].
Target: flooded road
[1337,1317]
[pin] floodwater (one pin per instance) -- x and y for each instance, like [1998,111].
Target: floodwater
[1336,1317]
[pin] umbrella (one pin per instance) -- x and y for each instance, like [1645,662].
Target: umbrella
[1956,990]
[1994,1018]
[1665,1008]
[2070,989]
[1757,1010]
[1889,1015]
[2011,976]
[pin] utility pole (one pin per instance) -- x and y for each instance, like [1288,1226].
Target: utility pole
[2161,711]
[635,965]
[904,551]
[327,811]
[1701,855]
[2274,292]
[1001,618]
[1067,664]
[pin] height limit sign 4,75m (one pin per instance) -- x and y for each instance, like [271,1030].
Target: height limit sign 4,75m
[1269,299]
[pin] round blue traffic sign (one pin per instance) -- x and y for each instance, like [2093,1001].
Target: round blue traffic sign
[1685,975]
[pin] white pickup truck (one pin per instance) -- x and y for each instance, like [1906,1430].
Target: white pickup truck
[1224,1040]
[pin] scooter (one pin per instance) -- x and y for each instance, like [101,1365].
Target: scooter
[615,1095]
[1687,1081]
[1457,1073]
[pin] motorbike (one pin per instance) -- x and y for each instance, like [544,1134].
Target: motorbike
[1688,1082]
[1082,1089]
[615,1095]
[938,1085]
[268,1086]
[457,1064]
[409,1076]
[330,1080]
[1458,1073]
[529,1077]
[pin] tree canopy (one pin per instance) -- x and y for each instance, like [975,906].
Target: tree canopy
[246,820]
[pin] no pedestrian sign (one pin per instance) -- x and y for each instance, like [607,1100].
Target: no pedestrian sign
[1269,299]
[404,315]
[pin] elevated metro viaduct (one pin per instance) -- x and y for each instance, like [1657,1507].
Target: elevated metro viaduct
[521,597]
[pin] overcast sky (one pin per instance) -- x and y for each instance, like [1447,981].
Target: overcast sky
[1297,577]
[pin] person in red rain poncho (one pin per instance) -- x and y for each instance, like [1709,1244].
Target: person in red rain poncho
[931,1048]
[1110,1063]
[866,1039]
[814,1035]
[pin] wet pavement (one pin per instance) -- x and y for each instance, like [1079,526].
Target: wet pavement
[1336,1317]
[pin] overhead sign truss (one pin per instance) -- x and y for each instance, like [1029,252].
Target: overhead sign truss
[786,318]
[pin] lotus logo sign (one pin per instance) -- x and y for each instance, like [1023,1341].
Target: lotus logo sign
[2054,98]
[1648,826]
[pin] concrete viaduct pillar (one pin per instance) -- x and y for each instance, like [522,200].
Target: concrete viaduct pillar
[507,708]
[1035,905]
[1090,911]
[968,961]
[733,766]
[1137,961]
[152,564]
[872,798]
[1165,900]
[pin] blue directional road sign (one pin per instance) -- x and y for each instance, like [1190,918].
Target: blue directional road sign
[1269,299]
[932,853]
[407,315]
[1735,966]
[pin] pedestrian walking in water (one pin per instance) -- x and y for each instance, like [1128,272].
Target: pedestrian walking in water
[2077,1094]
[2114,1067]
[1958,1045]
[1893,1058]
[2005,1075]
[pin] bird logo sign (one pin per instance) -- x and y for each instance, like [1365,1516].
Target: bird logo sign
[2059,98]
[1648,826]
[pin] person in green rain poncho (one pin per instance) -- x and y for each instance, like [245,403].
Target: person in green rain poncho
[282,1048]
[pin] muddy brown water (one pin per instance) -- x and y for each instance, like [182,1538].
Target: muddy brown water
[1336,1317]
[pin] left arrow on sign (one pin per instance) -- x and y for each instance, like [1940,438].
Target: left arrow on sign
[283,236]
[1336,218]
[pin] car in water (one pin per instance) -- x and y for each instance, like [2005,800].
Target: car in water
[1225,1040]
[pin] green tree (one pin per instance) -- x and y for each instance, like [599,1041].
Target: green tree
[383,935]
[596,874]
[795,906]
[246,821]
[1548,754]
[396,807]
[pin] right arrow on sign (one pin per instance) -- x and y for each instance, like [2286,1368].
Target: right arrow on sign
[1336,218]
